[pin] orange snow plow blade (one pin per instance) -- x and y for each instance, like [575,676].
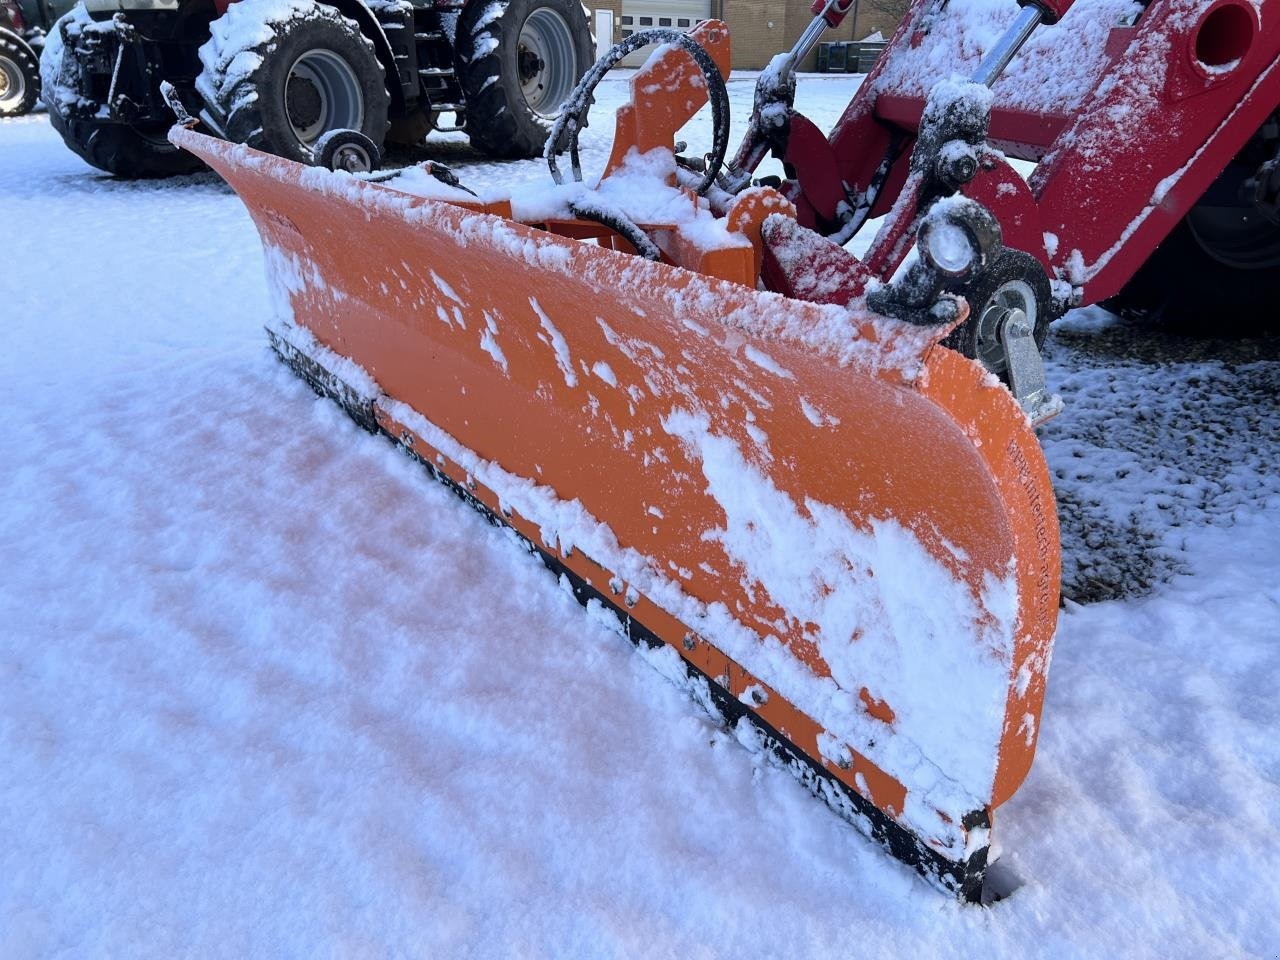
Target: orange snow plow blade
[839,533]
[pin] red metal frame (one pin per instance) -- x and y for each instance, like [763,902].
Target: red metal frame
[1181,91]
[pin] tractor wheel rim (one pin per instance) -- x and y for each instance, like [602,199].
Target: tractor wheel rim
[1009,296]
[546,61]
[322,93]
[13,85]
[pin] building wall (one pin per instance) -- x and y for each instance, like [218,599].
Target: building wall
[760,28]
[614,7]
[691,10]
[763,28]
[757,29]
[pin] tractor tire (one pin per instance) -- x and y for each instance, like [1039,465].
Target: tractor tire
[128,152]
[1218,271]
[19,75]
[314,71]
[1015,279]
[517,62]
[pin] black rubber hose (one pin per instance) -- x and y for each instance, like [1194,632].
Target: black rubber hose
[573,116]
[620,223]
[862,210]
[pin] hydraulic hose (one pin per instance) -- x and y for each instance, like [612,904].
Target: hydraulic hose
[573,115]
[620,223]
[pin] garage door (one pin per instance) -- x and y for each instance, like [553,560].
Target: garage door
[648,14]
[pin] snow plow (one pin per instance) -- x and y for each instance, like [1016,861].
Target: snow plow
[707,461]
[806,482]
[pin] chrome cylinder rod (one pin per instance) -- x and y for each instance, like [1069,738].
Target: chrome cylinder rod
[812,34]
[1008,45]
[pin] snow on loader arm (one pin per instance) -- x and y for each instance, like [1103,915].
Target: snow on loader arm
[839,533]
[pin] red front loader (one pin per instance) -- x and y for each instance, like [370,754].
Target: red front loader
[1150,124]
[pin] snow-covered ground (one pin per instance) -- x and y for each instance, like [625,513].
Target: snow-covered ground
[267,691]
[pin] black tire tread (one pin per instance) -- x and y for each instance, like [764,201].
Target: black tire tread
[1181,286]
[121,150]
[14,48]
[241,116]
[498,120]
[1184,286]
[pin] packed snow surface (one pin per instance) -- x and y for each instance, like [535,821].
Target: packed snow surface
[267,691]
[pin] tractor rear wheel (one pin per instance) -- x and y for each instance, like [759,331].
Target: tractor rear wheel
[1219,269]
[19,75]
[314,72]
[518,61]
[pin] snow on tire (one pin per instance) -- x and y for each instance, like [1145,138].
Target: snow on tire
[518,61]
[279,74]
[58,94]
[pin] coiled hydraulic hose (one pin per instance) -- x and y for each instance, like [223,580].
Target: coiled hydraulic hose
[573,116]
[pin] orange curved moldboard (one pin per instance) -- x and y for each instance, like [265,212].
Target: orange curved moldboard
[850,526]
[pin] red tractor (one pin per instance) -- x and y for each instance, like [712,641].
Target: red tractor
[280,74]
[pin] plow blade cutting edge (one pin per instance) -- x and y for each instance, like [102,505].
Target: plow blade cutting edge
[841,535]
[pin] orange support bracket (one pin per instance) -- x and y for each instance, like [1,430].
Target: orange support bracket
[665,94]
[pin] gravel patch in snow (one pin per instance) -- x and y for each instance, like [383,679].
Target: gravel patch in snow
[1162,433]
